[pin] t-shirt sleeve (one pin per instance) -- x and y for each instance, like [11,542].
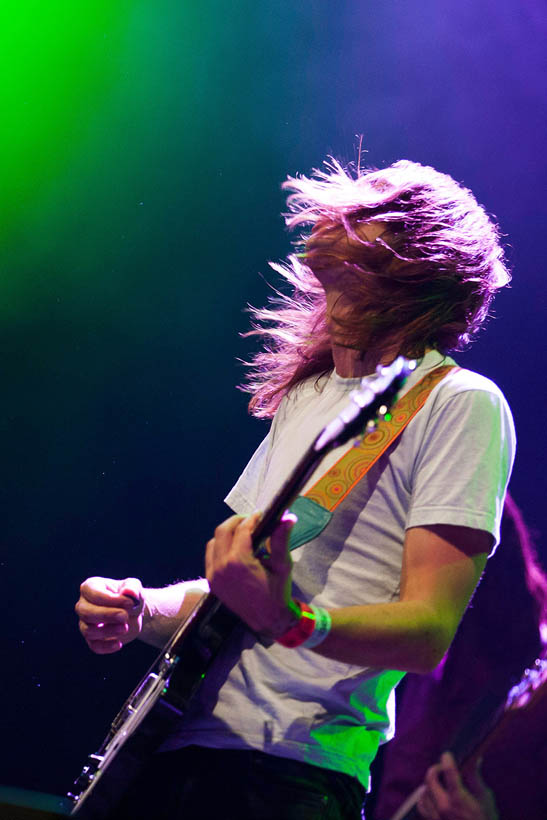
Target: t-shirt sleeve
[243,497]
[462,467]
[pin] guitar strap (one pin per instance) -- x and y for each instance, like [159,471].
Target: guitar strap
[315,508]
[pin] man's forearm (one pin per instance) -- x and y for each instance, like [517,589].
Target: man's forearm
[164,609]
[405,635]
[401,635]
[441,568]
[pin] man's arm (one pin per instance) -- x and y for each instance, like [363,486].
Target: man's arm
[164,609]
[112,613]
[441,567]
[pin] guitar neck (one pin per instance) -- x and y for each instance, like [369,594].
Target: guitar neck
[211,622]
[364,407]
[197,641]
[209,604]
[286,495]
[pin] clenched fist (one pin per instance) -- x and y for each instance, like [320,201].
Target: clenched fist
[110,613]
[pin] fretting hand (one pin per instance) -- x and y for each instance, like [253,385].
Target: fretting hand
[445,797]
[258,591]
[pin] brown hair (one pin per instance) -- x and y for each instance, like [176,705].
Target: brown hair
[427,280]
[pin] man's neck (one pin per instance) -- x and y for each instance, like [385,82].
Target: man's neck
[350,363]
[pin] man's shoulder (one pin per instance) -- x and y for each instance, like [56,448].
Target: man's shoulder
[461,380]
[464,397]
[457,380]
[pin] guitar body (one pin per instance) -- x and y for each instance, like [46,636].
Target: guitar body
[153,710]
[159,702]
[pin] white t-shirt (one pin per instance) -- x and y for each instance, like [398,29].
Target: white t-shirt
[450,465]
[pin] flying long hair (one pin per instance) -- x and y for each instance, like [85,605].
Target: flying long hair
[427,280]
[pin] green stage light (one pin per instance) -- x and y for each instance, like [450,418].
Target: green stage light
[57,61]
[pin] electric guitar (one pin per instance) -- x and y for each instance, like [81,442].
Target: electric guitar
[164,695]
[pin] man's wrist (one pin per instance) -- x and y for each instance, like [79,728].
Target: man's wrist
[283,622]
[310,630]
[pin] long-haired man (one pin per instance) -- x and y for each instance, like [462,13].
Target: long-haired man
[395,261]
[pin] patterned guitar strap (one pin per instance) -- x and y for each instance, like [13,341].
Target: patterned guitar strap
[315,508]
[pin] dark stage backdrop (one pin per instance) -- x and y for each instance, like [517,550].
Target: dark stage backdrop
[143,145]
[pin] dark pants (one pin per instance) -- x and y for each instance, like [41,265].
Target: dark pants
[220,784]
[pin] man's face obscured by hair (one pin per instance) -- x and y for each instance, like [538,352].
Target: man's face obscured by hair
[330,250]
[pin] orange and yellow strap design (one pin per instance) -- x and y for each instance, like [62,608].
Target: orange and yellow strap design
[350,468]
